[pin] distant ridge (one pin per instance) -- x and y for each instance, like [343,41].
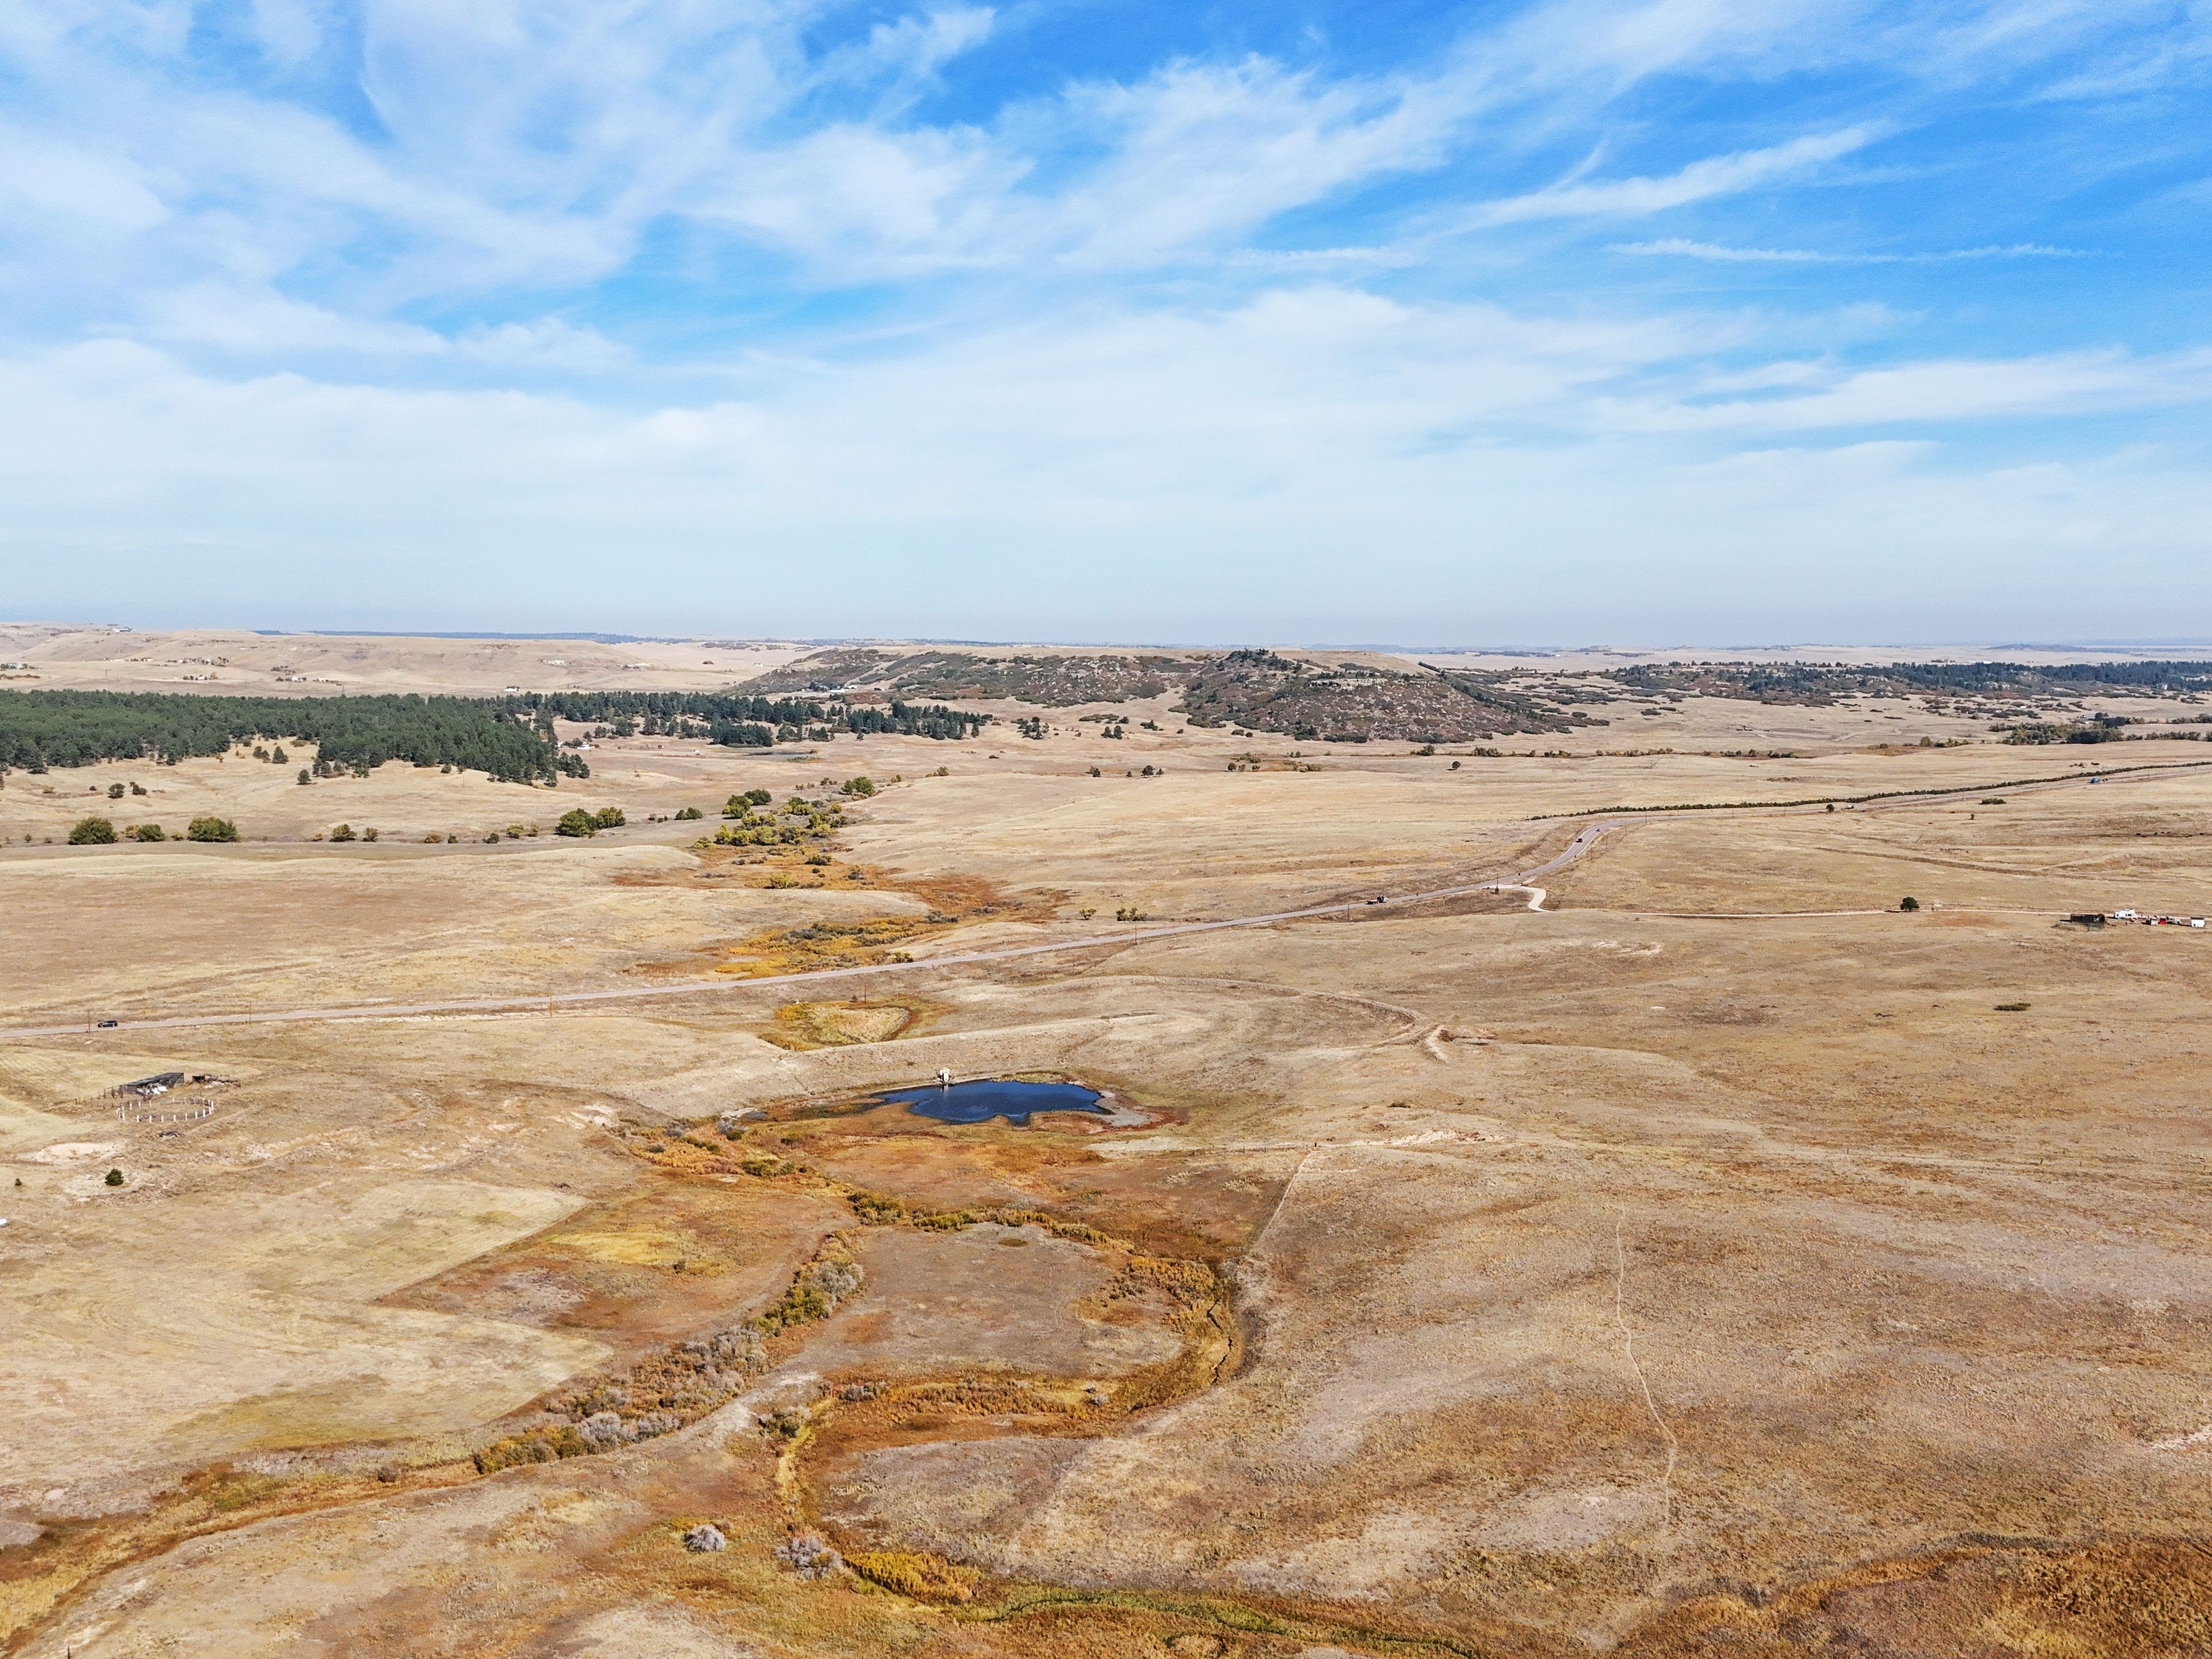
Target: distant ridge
[435,634]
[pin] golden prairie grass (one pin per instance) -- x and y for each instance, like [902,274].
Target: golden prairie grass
[804,1025]
[914,1573]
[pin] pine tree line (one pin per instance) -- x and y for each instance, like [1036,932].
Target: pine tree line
[509,738]
[44,729]
[748,721]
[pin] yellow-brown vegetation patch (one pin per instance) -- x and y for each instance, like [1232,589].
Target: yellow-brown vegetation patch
[645,1248]
[2147,1598]
[912,1572]
[41,1578]
[804,1025]
[1209,1213]
[827,945]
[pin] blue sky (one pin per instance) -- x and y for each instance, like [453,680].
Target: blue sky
[1684,321]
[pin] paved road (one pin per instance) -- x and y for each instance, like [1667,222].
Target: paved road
[1583,840]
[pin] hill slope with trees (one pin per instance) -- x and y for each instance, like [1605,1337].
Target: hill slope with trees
[510,739]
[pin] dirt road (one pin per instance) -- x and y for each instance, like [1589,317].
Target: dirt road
[1524,880]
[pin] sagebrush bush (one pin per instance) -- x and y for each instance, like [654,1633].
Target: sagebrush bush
[808,1554]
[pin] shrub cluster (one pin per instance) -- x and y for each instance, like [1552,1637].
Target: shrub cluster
[577,822]
[657,1396]
[538,1446]
[798,820]
[807,1553]
[2102,730]
[102,832]
[882,1210]
[814,1294]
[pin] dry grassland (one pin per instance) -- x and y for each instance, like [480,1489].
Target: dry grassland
[190,931]
[124,660]
[1717,1260]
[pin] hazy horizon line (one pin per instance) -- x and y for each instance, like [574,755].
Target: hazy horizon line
[1393,647]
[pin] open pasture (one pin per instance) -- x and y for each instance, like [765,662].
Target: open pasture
[1716,1253]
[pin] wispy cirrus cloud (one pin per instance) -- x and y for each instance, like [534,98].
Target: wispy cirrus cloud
[811,274]
[1943,392]
[1685,248]
[1700,181]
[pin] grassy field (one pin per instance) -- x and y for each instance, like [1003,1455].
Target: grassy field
[1716,1260]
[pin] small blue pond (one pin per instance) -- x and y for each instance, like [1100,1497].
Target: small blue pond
[989,1097]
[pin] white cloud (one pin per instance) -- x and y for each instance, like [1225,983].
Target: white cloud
[910,51]
[855,198]
[358,317]
[1199,155]
[1717,175]
[544,343]
[533,144]
[239,318]
[1390,467]
[1625,41]
[52,186]
[1683,247]
[291,31]
[1956,391]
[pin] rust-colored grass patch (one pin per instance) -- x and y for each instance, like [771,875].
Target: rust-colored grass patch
[2147,1598]
[1210,1213]
[953,900]
[913,1573]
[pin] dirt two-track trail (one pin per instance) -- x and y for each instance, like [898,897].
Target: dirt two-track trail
[1524,880]
[1597,1255]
